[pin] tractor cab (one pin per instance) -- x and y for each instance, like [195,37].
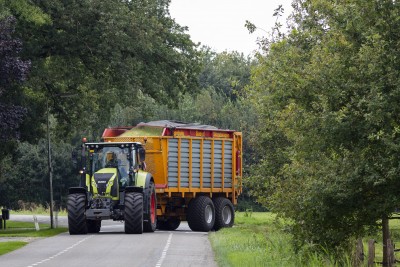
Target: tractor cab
[111,167]
[113,160]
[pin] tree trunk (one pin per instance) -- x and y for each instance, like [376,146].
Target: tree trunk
[371,253]
[359,255]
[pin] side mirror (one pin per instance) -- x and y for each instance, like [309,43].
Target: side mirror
[142,154]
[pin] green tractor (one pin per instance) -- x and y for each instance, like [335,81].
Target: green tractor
[113,185]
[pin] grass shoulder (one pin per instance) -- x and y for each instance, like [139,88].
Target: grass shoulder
[6,247]
[253,241]
[259,239]
[18,230]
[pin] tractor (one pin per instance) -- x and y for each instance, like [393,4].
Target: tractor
[114,185]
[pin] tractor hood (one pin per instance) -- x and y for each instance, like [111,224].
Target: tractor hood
[105,183]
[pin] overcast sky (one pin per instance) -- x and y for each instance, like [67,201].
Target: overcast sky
[220,23]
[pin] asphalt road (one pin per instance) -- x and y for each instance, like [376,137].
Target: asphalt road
[112,247]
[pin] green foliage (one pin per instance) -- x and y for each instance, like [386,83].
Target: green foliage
[26,229]
[6,247]
[259,240]
[26,177]
[104,53]
[29,12]
[327,94]
[227,73]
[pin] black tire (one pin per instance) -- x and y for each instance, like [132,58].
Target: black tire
[76,204]
[171,224]
[201,214]
[224,213]
[150,219]
[133,214]
[93,226]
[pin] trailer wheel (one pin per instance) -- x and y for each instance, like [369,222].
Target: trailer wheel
[224,213]
[171,224]
[76,214]
[93,226]
[150,222]
[201,214]
[133,214]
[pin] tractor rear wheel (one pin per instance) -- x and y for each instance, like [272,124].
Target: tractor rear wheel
[201,214]
[133,214]
[150,220]
[224,213]
[171,224]
[76,204]
[93,226]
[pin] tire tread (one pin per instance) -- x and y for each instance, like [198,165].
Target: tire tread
[76,204]
[220,203]
[196,215]
[133,214]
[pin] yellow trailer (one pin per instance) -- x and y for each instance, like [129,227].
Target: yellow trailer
[197,171]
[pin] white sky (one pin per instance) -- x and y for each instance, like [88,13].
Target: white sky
[220,23]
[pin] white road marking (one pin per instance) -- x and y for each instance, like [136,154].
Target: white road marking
[61,252]
[164,253]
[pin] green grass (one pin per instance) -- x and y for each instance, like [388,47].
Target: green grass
[24,229]
[27,229]
[6,247]
[257,240]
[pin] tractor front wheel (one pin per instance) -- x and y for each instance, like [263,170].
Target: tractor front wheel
[201,214]
[76,204]
[133,214]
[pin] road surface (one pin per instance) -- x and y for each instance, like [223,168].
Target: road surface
[112,248]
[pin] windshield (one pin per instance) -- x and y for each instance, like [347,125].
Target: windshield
[111,157]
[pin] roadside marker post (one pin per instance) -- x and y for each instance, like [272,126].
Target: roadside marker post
[36,223]
[56,219]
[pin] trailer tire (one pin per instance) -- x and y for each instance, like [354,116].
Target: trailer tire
[201,214]
[150,222]
[224,213]
[171,224]
[76,205]
[133,214]
[93,226]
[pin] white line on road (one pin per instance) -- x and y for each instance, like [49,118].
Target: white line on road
[164,253]
[61,252]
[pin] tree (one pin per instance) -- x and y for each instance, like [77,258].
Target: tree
[328,95]
[106,52]
[227,73]
[12,70]
[24,179]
